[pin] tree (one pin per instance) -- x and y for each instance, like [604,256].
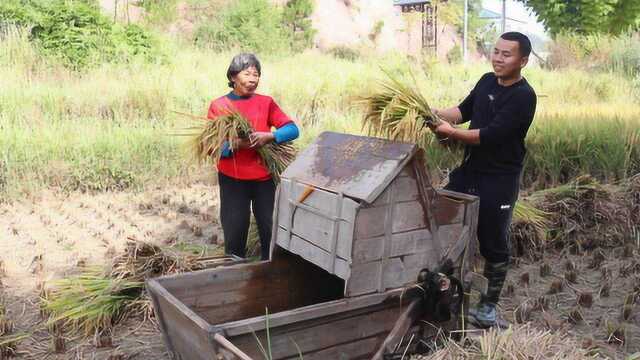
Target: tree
[296,18]
[587,16]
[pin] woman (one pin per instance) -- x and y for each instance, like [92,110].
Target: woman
[244,181]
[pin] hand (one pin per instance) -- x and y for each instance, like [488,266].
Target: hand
[445,129]
[239,144]
[259,139]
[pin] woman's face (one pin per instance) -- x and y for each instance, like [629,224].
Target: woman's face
[246,82]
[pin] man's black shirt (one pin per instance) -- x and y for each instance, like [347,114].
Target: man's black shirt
[503,114]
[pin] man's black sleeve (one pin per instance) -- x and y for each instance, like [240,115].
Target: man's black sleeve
[466,106]
[512,120]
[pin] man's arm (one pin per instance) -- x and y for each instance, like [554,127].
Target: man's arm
[448,131]
[451,115]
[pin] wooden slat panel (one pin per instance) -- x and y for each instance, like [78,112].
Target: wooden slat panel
[404,270]
[369,222]
[364,279]
[408,216]
[190,285]
[316,255]
[359,349]
[411,242]
[311,226]
[449,235]
[367,250]
[406,189]
[383,199]
[186,337]
[321,334]
[449,210]
[315,311]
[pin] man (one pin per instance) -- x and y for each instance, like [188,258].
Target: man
[500,108]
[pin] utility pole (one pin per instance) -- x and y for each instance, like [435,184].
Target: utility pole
[466,30]
[504,16]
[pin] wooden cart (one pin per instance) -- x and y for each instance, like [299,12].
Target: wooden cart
[357,226]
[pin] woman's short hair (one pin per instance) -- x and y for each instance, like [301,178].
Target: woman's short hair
[242,62]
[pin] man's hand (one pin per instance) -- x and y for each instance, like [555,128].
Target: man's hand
[445,129]
[259,139]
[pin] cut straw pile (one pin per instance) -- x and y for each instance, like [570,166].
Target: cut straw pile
[95,300]
[582,214]
[208,136]
[522,342]
[397,111]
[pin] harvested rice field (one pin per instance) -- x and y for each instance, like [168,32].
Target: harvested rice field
[585,297]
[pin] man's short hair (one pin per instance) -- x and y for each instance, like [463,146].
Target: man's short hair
[524,44]
[242,62]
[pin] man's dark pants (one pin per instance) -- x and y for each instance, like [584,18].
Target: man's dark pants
[498,194]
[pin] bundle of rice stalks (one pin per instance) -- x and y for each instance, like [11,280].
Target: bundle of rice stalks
[521,342]
[529,229]
[90,302]
[95,300]
[397,111]
[141,260]
[587,214]
[207,139]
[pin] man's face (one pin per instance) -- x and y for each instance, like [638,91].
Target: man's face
[246,82]
[506,59]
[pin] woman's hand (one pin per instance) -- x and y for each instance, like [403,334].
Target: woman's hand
[259,139]
[239,144]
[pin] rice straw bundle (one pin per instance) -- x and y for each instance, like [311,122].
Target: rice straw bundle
[398,111]
[96,299]
[207,141]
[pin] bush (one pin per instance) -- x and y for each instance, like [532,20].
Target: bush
[258,26]
[602,52]
[76,32]
[344,53]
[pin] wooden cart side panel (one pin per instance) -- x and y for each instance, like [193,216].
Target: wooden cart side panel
[404,243]
[316,255]
[334,331]
[184,337]
[311,226]
[236,276]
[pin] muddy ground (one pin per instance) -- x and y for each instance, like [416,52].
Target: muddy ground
[50,235]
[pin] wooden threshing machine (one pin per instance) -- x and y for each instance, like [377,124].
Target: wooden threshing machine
[363,247]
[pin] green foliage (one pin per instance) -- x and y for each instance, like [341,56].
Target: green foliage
[344,53]
[452,13]
[587,16]
[257,26]
[454,55]
[619,53]
[76,33]
[251,25]
[295,17]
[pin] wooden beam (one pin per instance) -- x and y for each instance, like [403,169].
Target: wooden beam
[229,346]
[408,318]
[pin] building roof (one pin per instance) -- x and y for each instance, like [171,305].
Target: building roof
[492,15]
[410,2]
[359,167]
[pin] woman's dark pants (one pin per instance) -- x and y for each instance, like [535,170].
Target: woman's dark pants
[237,199]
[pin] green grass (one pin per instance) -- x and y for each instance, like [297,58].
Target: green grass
[109,128]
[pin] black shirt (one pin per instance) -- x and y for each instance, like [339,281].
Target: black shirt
[503,114]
